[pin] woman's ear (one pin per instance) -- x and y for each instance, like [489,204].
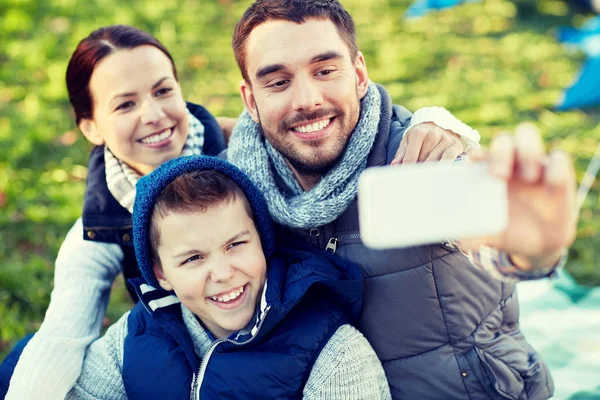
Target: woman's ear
[90,131]
[160,277]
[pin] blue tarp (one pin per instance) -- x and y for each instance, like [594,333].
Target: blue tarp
[585,91]
[561,320]
[422,7]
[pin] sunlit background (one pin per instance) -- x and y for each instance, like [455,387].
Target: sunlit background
[493,63]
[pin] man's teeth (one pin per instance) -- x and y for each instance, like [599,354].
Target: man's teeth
[159,137]
[234,294]
[317,126]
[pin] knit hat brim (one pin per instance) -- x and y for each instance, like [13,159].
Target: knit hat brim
[150,186]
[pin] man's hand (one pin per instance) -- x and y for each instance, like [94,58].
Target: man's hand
[428,142]
[541,199]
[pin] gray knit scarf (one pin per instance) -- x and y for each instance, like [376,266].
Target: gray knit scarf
[249,150]
[121,178]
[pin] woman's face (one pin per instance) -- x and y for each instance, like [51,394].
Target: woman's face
[138,109]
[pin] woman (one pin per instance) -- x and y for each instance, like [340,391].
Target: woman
[123,86]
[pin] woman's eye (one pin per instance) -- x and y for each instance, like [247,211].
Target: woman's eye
[163,91]
[126,105]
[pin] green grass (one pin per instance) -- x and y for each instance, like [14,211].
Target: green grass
[494,64]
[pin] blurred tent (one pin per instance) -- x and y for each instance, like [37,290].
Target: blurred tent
[585,91]
[422,7]
[561,320]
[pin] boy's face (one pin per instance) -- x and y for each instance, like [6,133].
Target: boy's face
[214,263]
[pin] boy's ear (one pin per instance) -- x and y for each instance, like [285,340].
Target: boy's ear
[160,277]
[90,131]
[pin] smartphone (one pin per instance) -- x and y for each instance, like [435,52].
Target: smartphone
[409,205]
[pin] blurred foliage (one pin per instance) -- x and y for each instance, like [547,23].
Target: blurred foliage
[494,64]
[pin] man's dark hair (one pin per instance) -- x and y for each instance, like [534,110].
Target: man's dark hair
[297,11]
[195,191]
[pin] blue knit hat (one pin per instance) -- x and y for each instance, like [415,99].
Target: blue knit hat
[150,186]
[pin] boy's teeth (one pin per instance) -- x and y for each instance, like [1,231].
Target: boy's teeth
[234,294]
[317,126]
[157,138]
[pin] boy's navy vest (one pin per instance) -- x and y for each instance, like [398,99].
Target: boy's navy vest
[309,295]
[441,328]
[105,220]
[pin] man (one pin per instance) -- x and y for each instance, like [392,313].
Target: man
[442,328]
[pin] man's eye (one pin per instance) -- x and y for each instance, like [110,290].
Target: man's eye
[163,91]
[325,72]
[126,105]
[279,84]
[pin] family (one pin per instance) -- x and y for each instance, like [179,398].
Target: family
[243,251]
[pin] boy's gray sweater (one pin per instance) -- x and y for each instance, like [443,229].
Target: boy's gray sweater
[347,367]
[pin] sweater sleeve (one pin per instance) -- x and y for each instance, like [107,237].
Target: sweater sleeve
[347,368]
[101,376]
[51,362]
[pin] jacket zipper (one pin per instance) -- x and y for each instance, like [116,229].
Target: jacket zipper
[198,378]
[346,238]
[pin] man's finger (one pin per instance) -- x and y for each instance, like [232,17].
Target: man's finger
[529,151]
[501,156]
[559,172]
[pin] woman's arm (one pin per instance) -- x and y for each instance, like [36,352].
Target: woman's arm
[101,376]
[51,362]
[347,368]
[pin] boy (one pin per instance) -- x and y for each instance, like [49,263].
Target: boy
[213,319]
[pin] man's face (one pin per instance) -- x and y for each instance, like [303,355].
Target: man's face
[304,90]
[214,263]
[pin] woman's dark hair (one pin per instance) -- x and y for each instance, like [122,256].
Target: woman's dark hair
[91,50]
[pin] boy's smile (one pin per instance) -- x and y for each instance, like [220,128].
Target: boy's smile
[214,262]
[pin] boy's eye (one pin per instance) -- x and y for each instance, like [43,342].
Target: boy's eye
[125,105]
[192,259]
[235,244]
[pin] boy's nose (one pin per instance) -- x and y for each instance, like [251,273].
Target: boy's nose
[222,272]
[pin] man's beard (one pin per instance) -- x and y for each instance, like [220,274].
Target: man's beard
[316,163]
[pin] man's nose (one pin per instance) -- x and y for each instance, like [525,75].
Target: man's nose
[307,95]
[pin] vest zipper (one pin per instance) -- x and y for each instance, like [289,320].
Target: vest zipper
[332,245]
[198,378]
[341,239]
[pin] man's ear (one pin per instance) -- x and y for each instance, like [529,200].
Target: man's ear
[90,131]
[362,75]
[160,277]
[248,99]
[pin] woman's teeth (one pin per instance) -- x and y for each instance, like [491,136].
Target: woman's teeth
[157,138]
[234,294]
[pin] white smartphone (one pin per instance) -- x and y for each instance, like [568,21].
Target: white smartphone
[416,204]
